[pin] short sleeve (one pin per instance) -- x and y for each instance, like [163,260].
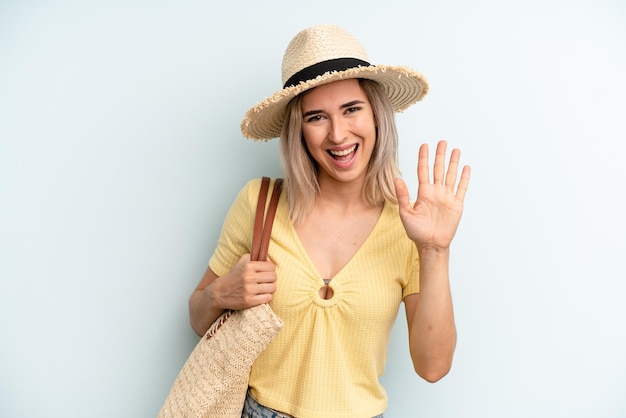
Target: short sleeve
[236,236]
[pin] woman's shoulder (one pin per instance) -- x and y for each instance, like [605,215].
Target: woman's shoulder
[255,183]
[251,189]
[390,211]
[390,218]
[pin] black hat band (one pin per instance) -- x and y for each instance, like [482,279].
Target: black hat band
[337,64]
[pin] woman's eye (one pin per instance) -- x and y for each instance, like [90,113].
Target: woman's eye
[313,118]
[352,109]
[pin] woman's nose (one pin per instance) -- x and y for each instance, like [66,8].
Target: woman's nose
[338,130]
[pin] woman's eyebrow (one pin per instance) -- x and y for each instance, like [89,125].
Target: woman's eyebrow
[352,103]
[311,112]
[343,106]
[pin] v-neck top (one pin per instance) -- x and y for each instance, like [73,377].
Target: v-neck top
[327,359]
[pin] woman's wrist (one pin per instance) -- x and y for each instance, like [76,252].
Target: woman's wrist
[432,251]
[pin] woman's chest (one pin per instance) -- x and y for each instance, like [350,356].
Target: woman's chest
[330,243]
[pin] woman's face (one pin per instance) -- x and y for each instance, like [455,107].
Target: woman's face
[339,129]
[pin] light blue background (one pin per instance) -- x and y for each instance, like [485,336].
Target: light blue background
[120,153]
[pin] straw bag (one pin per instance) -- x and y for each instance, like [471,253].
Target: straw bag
[214,380]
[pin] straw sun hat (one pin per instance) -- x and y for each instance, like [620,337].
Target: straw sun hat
[323,54]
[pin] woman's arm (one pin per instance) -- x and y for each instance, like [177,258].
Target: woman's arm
[430,318]
[203,310]
[431,224]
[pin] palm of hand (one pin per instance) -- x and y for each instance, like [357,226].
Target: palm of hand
[433,219]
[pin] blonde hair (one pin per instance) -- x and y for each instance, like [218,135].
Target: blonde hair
[300,170]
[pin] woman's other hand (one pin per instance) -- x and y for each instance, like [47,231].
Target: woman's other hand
[431,222]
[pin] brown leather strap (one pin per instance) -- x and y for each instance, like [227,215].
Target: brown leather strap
[261,234]
[269,219]
[258,219]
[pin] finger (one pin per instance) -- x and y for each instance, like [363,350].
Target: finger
[260,299]
[453,168]
[402,193]
[263,266]
[266,288]
[463,183]
[258,271]
[263,283]
[440,163]
[423,176]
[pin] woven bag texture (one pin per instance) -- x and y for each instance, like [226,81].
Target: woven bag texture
[214,380]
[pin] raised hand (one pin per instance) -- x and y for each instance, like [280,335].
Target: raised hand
[432,221]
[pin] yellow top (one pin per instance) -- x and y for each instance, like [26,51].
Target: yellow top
[327,359]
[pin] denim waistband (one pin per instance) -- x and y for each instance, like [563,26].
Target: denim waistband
[253,409]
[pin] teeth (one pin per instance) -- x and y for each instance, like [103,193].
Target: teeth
[344,152]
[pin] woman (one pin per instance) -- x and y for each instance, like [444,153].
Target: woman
[347,245]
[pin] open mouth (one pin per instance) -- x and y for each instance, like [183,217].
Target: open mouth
[345,154]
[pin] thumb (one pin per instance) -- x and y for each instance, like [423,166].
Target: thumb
[402,193]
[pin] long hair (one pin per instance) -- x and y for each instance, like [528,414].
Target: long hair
[300,169]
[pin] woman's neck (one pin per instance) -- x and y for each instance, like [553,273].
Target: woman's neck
[342,196]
